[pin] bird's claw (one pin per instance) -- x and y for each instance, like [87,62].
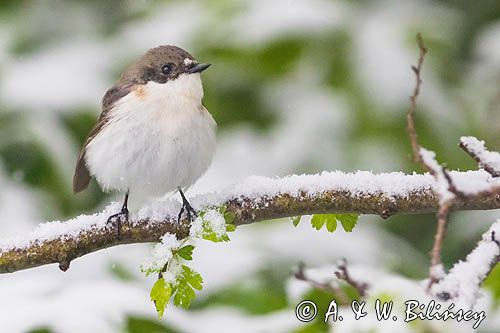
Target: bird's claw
[190,212]
[119,218]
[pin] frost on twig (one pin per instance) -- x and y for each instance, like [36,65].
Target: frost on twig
[445,186]
[253,200]
[427,159]
[487,160]
[462,284]
[259,199]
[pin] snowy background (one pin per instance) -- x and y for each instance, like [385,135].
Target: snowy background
[296,86]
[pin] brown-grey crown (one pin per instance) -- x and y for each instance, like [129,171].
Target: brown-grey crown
[162,64]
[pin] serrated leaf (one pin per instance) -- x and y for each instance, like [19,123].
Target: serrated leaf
[185,252]
[318,221]
[184,295]
[160,295]
[348,221]
[210,235]
[230,227]
[331,223]
[193,278]
[295,220]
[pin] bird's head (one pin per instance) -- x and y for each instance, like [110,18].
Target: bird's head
[163,64]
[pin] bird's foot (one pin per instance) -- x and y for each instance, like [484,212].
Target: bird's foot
[190,212]
[119,218]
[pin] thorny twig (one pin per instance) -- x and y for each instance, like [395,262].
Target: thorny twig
[343,274]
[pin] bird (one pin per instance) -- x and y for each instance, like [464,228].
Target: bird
[154,135]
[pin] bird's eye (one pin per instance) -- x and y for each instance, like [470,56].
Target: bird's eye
[167,68]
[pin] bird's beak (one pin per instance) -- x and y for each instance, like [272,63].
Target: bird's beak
[198,68]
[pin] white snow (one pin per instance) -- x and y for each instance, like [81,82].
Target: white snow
[477,147]
[313,119]
[213,220]
[61,229]
[385,286]
[464,279]
[392,185]
[437,271]
[442,186]
[162,253]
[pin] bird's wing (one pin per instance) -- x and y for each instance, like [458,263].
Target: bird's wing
[81,178]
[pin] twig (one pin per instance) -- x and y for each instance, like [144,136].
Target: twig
[413,101]
[487,160]
[442,219]
[462,283]
[300,274]
[343,274]
[446,187]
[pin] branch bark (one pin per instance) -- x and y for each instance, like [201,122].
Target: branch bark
[68,242]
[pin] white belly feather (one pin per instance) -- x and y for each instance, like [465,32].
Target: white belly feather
[158,138]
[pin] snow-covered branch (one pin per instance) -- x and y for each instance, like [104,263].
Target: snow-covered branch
[253,200]
[487,160]
[462,284]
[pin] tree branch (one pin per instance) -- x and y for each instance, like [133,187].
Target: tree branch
[410,124]
[343,274]
[487,160]
[462,284]
[254,200]
[341,296]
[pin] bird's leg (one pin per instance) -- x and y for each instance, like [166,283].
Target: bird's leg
[118,217]
[186,206]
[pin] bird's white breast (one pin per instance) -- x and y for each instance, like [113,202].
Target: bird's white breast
[158,138]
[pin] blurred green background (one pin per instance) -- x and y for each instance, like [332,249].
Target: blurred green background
[331,77]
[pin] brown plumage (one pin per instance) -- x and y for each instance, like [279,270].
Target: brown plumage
[81,178]
[140,73]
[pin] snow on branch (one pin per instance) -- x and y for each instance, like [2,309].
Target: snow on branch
[462,284]
[449,190]
[487,160]
[253,200]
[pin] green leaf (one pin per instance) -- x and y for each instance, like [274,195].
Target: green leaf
[295,220]
[187,282]
[229,217]
[331,223]
[160,295]
[318,221]
[493,283]
[230,227]
[184,295]
[348,221]
[193,278]
[210,235]
[185,252]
